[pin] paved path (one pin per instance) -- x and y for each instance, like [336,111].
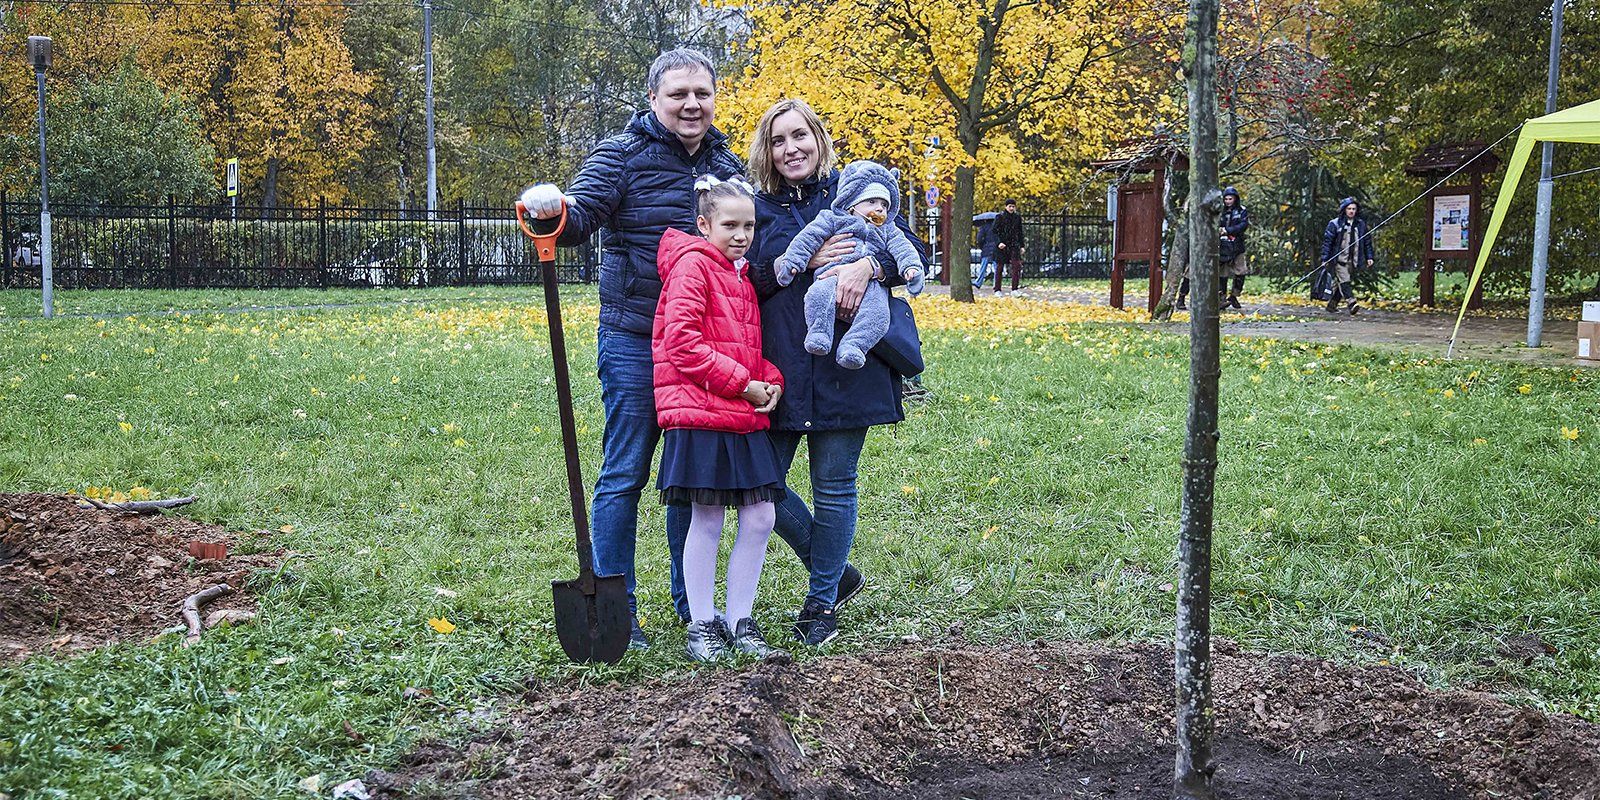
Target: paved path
[1417,334]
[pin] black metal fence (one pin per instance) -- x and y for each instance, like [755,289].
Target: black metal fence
[1054,245]
[185,246]
[179,246]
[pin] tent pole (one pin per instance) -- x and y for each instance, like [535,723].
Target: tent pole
[1541,220]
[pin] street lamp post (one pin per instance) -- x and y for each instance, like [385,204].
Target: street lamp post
[427,61]
[1541,220]
[39,55]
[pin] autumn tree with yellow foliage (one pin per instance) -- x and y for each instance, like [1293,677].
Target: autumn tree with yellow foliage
[275,81]
[1026,90]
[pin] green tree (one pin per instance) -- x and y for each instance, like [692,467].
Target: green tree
[1451,70]
[121,140]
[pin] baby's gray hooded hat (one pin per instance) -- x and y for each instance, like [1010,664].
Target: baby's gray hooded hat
[861,180]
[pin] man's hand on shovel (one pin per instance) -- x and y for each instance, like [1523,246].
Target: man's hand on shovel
[544,200]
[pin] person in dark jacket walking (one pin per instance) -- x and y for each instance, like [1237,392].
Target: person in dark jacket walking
[830,407]
[632,188]
[1346,246]
[1232,260]
[1008,247]
[1232,253]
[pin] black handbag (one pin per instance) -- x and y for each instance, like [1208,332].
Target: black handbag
[1323,284]
[901,347]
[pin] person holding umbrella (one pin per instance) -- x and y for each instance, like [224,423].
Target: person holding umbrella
[984,225]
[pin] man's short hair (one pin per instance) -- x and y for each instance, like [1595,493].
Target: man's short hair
[680,58]
[1010,202]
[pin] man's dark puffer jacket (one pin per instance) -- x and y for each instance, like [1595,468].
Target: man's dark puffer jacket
[635,185]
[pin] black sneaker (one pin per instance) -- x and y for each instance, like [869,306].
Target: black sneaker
[1181,306]
[706,641]
[1354,307]
[817,626]
[747,639]
[1233,302]
[636,637]
[850,585]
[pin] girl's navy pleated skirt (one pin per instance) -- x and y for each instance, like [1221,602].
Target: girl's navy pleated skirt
[717,468]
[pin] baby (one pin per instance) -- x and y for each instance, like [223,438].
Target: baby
[868,201]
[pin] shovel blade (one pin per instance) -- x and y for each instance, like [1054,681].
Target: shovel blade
[593,627]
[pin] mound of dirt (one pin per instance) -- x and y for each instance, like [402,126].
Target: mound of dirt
[76,578]
[1065,720]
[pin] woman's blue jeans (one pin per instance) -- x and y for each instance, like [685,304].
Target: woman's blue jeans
[822,534]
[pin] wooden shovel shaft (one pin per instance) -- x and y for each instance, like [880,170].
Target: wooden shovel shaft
[569,426]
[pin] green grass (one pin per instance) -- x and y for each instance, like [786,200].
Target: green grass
[1036,497]
[18,303]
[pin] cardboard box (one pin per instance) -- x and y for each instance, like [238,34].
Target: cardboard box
[1591,311]
[1589,340]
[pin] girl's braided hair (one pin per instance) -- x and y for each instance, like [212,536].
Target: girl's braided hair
[709,190]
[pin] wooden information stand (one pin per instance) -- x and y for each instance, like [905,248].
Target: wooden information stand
[1140,215]
[1452,215]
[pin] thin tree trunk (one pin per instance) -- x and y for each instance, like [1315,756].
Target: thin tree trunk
[1177,215]
[958,251]
[269,191]
[1194,767]
[1177,267]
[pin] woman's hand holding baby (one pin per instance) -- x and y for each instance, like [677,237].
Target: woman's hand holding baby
[836,247]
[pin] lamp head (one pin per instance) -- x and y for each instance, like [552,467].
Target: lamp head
[39,52]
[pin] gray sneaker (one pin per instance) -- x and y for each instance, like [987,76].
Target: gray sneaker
[747,639]
[707,641]
[636,638]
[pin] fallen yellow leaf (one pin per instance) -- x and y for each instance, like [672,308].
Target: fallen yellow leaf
[441,625]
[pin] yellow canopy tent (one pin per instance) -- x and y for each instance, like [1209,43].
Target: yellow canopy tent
[1577,124]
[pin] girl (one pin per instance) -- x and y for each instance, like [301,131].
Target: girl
[714,393]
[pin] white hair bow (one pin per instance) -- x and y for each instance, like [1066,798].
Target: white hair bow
[706,183]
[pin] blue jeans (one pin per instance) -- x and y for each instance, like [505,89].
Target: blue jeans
[822,539]
[982,274]
[627,391]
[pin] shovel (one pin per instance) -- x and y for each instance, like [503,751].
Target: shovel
[593,619]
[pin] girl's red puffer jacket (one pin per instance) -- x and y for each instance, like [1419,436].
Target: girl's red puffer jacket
[707,340]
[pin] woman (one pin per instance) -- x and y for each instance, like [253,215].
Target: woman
[792,164]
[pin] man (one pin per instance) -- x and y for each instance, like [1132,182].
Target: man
[1235,220]
[1008,248]
[1346,244]
[633,187]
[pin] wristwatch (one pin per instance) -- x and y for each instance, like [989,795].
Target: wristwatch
[877,269]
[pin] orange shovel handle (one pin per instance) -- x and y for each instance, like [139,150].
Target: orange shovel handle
[544,243]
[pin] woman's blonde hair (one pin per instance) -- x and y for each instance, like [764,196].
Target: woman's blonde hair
[762,167]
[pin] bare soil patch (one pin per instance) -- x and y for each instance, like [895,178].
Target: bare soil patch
[1071,720]
[75,578]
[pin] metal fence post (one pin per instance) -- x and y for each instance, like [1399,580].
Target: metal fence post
[322,242]
[5,241]
[1062,243]
[461,239]
[172,242]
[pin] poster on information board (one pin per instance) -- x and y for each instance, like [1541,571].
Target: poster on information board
[1451,235]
